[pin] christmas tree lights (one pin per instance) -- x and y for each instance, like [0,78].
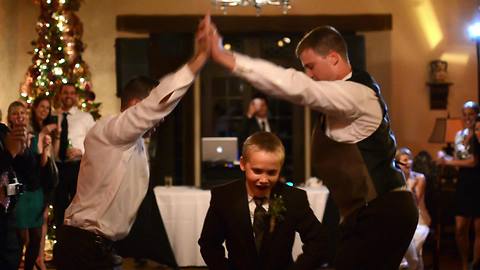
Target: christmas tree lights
[57,56]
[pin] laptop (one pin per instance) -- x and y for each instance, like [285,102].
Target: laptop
[219,149]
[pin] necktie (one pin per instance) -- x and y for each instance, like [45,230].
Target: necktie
[259,221]
[63,138]
[263,126]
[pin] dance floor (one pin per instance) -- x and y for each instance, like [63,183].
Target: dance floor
[447,262]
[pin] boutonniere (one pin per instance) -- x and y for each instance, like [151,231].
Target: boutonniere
[276,209]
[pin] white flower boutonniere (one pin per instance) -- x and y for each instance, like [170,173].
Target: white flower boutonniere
[276,209]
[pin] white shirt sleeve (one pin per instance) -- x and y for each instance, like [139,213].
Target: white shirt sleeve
[132,123]
[353,110]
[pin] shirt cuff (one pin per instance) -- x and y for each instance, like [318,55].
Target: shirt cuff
[243,64]
[185,75]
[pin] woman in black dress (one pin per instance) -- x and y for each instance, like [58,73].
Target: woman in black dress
[467,195]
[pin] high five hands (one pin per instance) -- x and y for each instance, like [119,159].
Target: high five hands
[202,45]
[219,54]
[208,43]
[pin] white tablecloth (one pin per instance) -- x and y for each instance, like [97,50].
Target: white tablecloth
[183,210]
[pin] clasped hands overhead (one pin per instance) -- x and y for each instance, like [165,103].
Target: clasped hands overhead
[208,44]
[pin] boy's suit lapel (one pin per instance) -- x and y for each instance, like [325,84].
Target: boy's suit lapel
[243,218]
[270,234]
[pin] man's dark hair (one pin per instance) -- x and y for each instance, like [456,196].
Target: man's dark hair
[323,40]
[138,87]
[69,84]
[261,96]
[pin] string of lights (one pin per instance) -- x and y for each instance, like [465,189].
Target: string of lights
[57,56]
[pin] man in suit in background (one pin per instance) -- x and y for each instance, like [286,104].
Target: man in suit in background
[256,118]
[257,217]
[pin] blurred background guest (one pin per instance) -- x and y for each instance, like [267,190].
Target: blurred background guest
[74,125]
[44,128]
[12,143]
[29,211]
[467,196]
[256,118]
[417,184]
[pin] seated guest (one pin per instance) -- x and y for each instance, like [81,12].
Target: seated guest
[257,217]
[416,183]
[114,176]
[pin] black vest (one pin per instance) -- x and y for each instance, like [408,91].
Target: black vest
[357,173]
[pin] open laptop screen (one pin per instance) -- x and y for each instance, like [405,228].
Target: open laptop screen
[219,149]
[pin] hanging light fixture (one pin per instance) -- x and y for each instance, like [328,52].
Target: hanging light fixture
[257,4]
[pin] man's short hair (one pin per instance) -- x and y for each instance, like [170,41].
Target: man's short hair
[261,96]
[263,141]
[137,88]
[69,84]
[323,40]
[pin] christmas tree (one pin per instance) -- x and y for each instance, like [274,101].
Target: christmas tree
[57,56]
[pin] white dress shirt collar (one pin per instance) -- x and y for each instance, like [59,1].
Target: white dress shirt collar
[348,76]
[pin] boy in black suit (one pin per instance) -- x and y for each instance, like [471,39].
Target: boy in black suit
[257,217]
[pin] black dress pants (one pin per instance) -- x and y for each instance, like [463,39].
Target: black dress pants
[9,245]
[376,237]
[79,249]
[66,189]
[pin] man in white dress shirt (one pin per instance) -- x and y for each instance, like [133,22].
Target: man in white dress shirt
[114,174]
[353,148]
[74,126]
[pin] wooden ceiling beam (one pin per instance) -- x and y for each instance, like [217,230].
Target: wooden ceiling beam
[252,24]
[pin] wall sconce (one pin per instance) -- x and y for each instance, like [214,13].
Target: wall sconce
[444,131]
[438,85]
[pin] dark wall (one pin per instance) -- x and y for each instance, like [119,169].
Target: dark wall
[131,55]
[174,140]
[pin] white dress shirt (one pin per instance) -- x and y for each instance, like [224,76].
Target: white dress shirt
[79,123]
[352,109]
[263,121]
[114,175]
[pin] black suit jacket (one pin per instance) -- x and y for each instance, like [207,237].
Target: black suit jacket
[228,220]
[250,126]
